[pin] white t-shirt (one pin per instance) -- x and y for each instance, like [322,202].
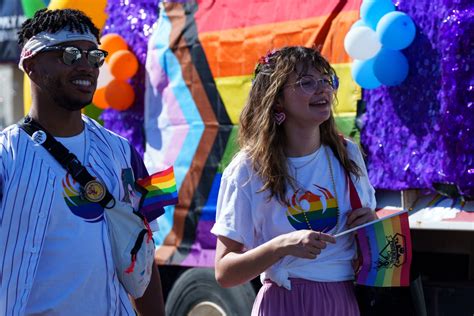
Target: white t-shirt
[248,217]
[56,290]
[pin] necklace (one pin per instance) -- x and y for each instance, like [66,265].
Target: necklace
[315,155]
[333,187]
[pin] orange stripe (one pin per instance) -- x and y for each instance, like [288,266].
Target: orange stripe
[396,271]
[158,180]
[235,52]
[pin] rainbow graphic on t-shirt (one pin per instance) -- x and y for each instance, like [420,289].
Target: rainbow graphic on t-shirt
[319,208]
[90,212]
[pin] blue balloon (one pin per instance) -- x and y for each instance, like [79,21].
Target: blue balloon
[372,11]
[363,73]
[390,67]
[396,30]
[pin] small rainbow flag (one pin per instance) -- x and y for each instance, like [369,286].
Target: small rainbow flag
[385,248]
[158,190]
[386,252]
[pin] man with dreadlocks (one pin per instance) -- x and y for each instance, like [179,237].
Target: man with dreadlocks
[56,252]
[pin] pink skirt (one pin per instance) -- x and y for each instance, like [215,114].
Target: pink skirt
[306,298]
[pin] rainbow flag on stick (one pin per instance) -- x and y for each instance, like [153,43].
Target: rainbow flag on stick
[158,190]
[385,248]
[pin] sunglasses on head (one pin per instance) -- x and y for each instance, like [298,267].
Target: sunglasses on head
[95,57]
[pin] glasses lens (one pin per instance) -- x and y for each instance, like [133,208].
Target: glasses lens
[96,57]
[308,85]
[71,55]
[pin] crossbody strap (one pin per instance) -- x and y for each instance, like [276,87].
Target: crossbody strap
[93,190]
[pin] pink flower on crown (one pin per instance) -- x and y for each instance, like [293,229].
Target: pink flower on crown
[266,58]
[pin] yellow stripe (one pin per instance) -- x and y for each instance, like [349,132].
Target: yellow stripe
[234,92]
[162,185]
[348,93]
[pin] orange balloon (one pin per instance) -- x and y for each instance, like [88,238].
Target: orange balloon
[99,99]
[111,43]
[119,95]
[123,64]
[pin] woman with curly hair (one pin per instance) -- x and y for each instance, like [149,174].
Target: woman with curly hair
[287,192]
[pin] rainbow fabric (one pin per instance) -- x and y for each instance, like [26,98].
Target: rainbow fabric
[158,190]
[199,66]
[386,252]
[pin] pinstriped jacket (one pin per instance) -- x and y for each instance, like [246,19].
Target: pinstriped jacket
[30,181]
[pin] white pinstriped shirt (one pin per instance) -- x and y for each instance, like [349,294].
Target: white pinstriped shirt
[31,187]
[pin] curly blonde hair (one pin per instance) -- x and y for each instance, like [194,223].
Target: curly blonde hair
[259,135]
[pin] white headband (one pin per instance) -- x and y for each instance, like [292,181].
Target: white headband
[44,39]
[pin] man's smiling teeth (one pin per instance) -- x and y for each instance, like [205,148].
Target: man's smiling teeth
[84,83]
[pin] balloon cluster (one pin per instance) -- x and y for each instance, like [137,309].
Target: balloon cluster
[375,42]
[113,90]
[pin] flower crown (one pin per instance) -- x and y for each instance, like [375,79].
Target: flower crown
[265,59]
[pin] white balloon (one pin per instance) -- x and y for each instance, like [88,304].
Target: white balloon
[104,76]
[361,42]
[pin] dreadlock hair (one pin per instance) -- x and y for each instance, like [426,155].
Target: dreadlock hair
[262,139]
[53,21]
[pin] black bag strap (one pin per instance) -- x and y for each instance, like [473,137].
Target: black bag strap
[68,161]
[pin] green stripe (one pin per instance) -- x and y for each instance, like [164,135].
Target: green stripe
[345,124]
[161,191]
[230,149]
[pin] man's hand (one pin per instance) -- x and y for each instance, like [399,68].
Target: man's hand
[151,303]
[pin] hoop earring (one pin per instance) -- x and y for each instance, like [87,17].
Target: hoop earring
[279,116]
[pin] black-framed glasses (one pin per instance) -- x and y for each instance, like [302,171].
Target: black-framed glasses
[71,54]
[309,85]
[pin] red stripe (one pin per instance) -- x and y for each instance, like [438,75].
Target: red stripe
[230,14]
[148,180]
[405,228]
[353,195]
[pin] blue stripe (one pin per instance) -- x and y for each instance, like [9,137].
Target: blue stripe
[160,198]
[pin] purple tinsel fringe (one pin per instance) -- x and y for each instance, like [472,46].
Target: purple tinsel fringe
[421,131]
[133,20]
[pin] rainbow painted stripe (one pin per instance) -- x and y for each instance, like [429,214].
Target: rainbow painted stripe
[158,190]
[200,67]
[386,252]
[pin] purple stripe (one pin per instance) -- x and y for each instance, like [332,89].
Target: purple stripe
[365,253]
[152,212]
[203,250]
[150,207]
[370,256]
[138,167]
[306,298]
